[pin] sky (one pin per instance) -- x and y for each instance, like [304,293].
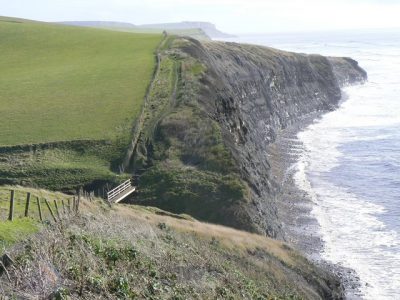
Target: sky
[233,16]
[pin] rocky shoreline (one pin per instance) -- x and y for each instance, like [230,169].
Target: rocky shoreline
[295,206]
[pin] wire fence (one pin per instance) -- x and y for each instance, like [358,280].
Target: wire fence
[21,204]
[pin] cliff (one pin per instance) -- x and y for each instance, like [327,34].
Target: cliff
[253,92]
[203,147]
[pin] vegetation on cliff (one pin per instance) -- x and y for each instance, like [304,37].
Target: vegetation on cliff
[184,164]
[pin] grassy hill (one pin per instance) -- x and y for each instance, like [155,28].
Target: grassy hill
[62,83]
[69,97]
[194,31]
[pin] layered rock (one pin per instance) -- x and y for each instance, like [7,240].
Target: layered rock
[253,92]
[247,94]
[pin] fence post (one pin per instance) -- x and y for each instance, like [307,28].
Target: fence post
[51,211]
[63,205]
[69,205]
[79,200]
[28,201]
[11,212]
[56,205]
[73,204]
[39,209]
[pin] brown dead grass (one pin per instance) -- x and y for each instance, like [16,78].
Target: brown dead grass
[230,238]
[177,257]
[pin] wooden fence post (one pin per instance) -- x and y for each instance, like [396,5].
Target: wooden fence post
[79,201]
[51,211]
[56,205]
[11,212]
[39,209]
[28,201]
[69,205]
[63,205]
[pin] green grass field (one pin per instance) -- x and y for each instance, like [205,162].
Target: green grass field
[61,83]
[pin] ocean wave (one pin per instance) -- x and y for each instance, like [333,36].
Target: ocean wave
[353,235]
[357,206]
[351,226]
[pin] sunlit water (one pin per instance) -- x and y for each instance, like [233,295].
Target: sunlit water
[350,161]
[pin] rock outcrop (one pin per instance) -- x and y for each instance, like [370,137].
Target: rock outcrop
[253,92]
[250,93]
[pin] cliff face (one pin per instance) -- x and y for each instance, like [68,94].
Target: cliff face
[212,112]
[234,99]
[253,92]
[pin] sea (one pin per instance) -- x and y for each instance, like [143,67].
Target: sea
[349,162]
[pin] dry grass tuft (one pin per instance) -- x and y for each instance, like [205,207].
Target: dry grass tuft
[136,252]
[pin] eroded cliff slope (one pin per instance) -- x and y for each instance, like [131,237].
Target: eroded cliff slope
[205,152]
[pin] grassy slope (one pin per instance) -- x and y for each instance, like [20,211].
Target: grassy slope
[12,232]
[141,252]
[63,83]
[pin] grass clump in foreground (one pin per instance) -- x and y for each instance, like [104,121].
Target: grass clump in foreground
[12,232]
[134,252]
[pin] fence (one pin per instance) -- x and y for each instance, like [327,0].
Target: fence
[24,204]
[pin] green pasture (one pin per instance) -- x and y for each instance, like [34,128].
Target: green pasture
[62,83]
